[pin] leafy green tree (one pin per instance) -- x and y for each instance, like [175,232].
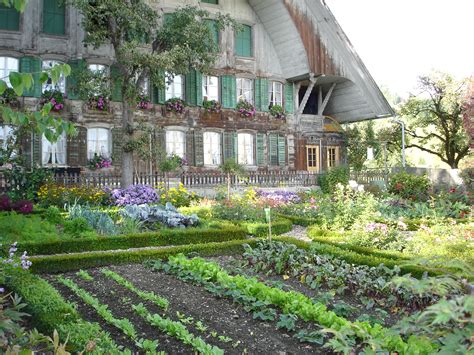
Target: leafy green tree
[435,118]
[230,167]
[356,148]
[145,48]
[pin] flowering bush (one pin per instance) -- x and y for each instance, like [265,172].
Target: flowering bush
[55,97]
[99,103]
[144,103]
[211,105]
[409,186]
[99,162]
[15,261]
[179,197]
[277,111]
[134,195]
[277,198]
[57,195]
[21,206]
[245,108]
[175,105]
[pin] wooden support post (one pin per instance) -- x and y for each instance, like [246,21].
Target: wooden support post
[323,105]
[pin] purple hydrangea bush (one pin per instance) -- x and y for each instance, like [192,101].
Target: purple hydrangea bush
[134,195]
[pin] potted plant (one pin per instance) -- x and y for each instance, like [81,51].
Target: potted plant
[98,102]
[175,104]
[211,106]
[144,102]
[277,111]
[55,97]
[245,108]
[99,162]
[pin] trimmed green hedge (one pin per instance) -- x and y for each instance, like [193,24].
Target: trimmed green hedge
[258,229]
[51,312]
[160,238]
[66,262]
[301,221]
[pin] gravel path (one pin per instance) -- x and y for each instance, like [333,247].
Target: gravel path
[298,232]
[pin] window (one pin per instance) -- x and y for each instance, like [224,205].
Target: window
[245,90]
[175,88]
[98,142]
[6,133]
[333,156]
[7,65]
[214,2]
[212,148]
[275,93]
[60,85]
[9,18]
[97,68]
[175,141]
[245,148]
[243,42]
[53,153]
[210,87]
[145,87]
[54,17]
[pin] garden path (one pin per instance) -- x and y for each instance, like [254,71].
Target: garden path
[298,232]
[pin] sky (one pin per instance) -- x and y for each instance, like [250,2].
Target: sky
[398,40]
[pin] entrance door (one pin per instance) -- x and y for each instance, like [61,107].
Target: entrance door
[312,158]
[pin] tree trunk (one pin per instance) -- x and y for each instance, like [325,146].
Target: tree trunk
[228,186]
[127,156]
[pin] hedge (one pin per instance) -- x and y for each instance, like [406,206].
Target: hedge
[301,221]
[51,312]
[66,262]
[258,229]
[361,258]
[160,238]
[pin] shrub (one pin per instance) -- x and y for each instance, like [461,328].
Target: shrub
[26,184]
[167,215]
[77,226]
[59,196]
[53,215]
[409,186]
[336,175]
[179,197]
[23,206]
[238,211]
[5,203]
[19,227]
[134,195]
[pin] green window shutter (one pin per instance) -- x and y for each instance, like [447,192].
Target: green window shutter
[289,98]
[260,149]
[214,31]
[26,147]
[190,148]
[159,142]
[273,149]
[36,148]
[116,83]
[198,148]
[230,146]
[77,148]
[261,94]
[228,91]
[214,2]
[54,17]
[243,42]
[9,18]
[159,93]
[72,80]
[32,65]
[193,88]
[117,139]
[281,150]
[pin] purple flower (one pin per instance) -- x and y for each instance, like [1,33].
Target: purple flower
[134,195]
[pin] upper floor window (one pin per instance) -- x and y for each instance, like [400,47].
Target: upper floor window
[210,87]
[54,17]
[275,93]
[212,25]
[49,86]
[175,88]
[53,153]
[214,2]
[243,42]
[9,18]
[145,87]
[98,142]
[212,148]
[7,65]
[245,90]
[175,142]
[245,149]
[332,156]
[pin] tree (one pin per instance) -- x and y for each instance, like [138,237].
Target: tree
[146,49]
[230,167]
[434,118]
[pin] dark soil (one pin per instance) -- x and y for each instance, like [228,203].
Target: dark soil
[221,316]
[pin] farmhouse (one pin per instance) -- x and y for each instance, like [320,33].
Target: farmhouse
[290,54]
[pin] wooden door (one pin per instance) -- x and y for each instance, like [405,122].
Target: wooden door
[312,158]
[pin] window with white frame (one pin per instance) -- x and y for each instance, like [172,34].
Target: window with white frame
[245,148]
[175,143]
[53,153]
[6,135]
[48,85]
[210,87]
[145,87]
[275,93]
[7,65]
[212,148]
[97,68]
[175,88]
[245,90]
[98,142]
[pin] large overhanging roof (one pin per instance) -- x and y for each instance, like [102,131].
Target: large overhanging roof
[308,39]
